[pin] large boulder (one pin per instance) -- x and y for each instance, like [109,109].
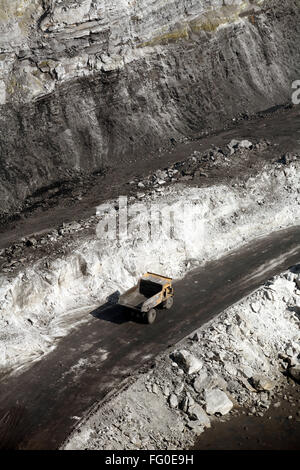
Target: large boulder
[195,427]
[262,383]
[217,402]
[233,146]
[246,144]
[197,413]
[189,363]
[173,401]
[295,372]
[201,381]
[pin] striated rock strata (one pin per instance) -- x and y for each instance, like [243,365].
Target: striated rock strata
[91,83]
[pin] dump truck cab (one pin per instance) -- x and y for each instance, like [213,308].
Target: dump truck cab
[152,291]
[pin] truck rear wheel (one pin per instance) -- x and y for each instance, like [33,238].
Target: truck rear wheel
[168,303]
[150,316]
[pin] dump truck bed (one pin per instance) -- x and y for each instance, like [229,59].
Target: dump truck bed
[149,286]
[133,298]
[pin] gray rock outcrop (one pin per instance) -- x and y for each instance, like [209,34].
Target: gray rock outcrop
[86,85]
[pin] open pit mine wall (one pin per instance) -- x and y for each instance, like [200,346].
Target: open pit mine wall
[90,83]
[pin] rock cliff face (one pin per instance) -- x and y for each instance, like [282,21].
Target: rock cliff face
[91,83]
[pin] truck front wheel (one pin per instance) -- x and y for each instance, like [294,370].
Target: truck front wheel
[168,303]
[150,316]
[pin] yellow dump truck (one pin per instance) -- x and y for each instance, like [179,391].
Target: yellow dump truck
[151,292]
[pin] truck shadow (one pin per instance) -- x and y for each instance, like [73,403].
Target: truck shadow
[112,312]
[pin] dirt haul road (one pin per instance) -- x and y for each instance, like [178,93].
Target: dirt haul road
[41,406]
